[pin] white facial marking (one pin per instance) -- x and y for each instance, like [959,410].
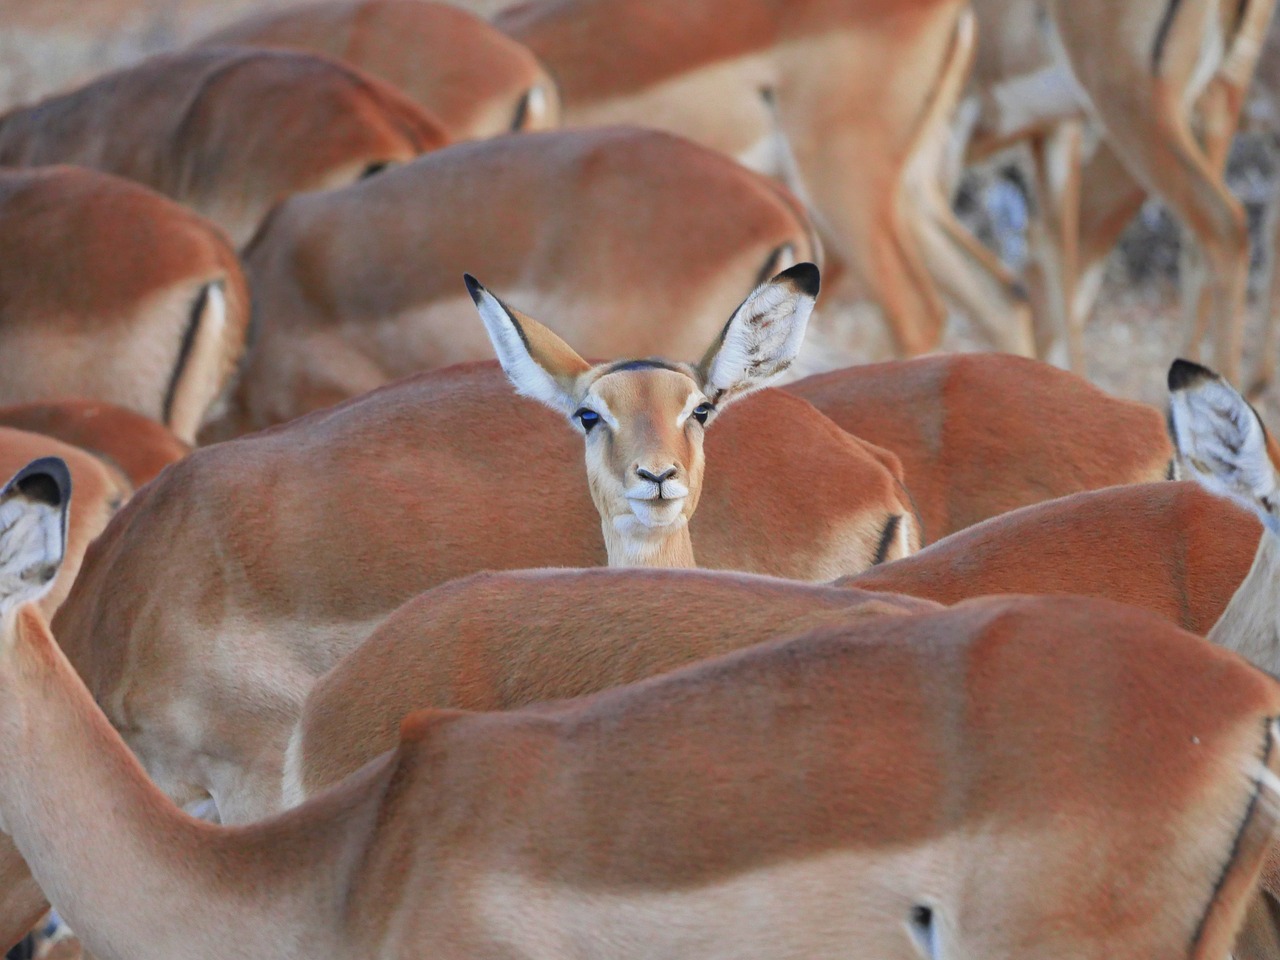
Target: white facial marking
[696,399]
[593,401]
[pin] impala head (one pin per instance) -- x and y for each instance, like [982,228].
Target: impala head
[1222,442]
[33,531]
[643,420]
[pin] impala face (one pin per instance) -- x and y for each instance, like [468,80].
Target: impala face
[643,420]
[643,423]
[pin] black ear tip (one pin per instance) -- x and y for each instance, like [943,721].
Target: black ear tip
[1184,374]
[804,277]
[473,287]
[46,480]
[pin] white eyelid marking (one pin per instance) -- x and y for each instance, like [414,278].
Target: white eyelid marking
[696,399]
[595,402]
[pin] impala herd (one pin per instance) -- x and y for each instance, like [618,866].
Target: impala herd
[315,641]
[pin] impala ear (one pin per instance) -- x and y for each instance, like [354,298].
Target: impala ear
[33,530]
[540,365]
[1222,442]
[763,336]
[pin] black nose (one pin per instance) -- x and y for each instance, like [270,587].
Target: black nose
[656,478]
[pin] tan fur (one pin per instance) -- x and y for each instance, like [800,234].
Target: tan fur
[348,301]
[101,278]
[497,641]
[178,124]
[442,476]
[982,434]
[841,93]
[749,801]
[475,80]
[135,444]
[1168,547]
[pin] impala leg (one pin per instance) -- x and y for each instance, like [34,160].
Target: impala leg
[1142,79]
[872,236]
[1055,231]
[970,275]
[1269,355]
[1165,156]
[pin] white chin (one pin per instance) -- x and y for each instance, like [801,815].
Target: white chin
[657,514]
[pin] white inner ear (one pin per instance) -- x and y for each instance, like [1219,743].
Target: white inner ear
[525,373]
[1220,439]
[32,542]
[762,340]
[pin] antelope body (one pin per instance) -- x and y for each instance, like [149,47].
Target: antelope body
[761,793]
[843,101]
[178,123]
[356,287]
[980,434]
[112,292]
[787,493]
[136,445]
[476,81]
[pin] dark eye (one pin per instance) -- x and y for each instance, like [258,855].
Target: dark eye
[588,418]
[702,411]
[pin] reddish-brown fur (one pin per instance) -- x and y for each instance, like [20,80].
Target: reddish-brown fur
[178,123]
[1169,547]
[100,283]
[136,445]
[1060,750]
[474,79]
[850,88]
[496,641]
[980,434]
[592,232]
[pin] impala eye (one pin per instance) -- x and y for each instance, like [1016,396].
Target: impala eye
[702,411]
[588,418]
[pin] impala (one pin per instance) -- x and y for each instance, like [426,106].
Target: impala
[749,801]
[846,102]
[137,445]
[475,80]
[643,420]
[356,287]
[435,474]
[178,123]
[980,434]
[1225,447]
[1147,78]
[157,324]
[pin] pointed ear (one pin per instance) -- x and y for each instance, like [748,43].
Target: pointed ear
[539,364]
[763,336]
[33,530]
[1222,442]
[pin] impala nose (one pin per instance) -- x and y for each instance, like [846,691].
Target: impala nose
[657,478]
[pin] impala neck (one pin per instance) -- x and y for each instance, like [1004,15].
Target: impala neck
[127,869]
[1250,625]
[674,550]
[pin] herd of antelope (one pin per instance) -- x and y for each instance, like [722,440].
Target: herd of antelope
[314,643]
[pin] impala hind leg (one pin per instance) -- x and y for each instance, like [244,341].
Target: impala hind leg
[873,240]
[1055,231]
[970,275]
